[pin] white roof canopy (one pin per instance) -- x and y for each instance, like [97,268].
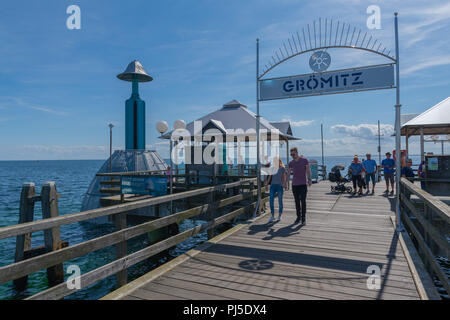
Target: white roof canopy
[435,120]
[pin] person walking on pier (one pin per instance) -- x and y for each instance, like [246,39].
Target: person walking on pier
[278,182]
[388,165]
[370,167]
[302,178]
[356,168]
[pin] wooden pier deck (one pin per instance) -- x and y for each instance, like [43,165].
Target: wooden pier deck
[328,258]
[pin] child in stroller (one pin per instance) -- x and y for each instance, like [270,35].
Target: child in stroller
[335,176]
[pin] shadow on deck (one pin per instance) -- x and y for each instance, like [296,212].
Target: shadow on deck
[331,257]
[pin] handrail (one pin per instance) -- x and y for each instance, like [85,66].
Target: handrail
[23,268]
[424,226]
[437,205]
[24,228]
[61,290]
[127,173]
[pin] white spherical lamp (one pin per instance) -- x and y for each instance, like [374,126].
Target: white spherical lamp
[179,125]
[162,127]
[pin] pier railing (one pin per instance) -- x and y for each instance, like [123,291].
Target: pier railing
[427,219]
[123,233]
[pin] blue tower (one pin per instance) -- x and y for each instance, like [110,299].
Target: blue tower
[135,157]
[135,107]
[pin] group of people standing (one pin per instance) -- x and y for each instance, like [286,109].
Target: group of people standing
[299,168]
[363,172]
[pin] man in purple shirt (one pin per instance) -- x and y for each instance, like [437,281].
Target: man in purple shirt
[301,171]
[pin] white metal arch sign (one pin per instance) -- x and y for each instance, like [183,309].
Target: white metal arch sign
[317,39]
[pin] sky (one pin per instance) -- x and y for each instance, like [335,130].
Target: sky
[59,91]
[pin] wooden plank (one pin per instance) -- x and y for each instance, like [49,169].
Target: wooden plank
[429,228]
[52,237]
[110,182]
[429,255]
[151,295]
[245,287]
[111,190]
[204,288]
[319,243]
[120,223]
[438,207]
[176,290]
[11,231]
[23,242]
[424,284]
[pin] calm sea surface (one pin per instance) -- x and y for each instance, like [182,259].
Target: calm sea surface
[72,180]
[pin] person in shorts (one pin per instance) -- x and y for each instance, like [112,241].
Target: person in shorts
[370,168]
[388,166]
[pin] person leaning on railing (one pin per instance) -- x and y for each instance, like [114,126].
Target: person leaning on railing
[407,172]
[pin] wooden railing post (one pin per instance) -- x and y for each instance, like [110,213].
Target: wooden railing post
[120,222]
[23,242]
[211,199]
[52,237]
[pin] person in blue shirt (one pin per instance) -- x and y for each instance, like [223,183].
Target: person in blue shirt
[370,167]
[407,172]
[355,170]
[388,165]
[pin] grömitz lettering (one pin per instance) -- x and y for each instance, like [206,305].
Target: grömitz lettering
[323,82]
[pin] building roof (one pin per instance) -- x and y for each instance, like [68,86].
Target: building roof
[404,118]
[435,120]
[236,116]
[284,127]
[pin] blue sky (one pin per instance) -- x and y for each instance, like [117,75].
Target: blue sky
[59,91]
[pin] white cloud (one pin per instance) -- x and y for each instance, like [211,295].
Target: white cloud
[363,131]
[428,62]
[7,102]
[301,123]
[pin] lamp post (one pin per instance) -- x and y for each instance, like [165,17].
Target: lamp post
[163,127]
[321,139]
[110,146]
[397,128]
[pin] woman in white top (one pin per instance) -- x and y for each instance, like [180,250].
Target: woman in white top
[278,182]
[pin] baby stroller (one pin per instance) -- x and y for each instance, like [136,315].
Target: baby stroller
[335,176]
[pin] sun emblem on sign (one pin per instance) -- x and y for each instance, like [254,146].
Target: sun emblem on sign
[320,61]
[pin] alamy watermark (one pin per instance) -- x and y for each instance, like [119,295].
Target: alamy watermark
[204,145]
[374,20]
[74,20]
[74,280]
[374,280]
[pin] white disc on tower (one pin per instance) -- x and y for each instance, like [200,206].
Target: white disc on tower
[179,124]
[162,127]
